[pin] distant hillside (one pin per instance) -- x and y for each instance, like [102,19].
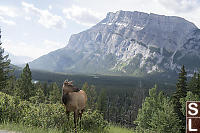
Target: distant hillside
[164,81]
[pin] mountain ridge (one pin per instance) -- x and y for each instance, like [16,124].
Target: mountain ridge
[130,43]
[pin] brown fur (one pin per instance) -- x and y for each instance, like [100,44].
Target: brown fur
[73,101]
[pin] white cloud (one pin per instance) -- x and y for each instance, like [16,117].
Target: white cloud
[27,18]
[46,18]
[26,49]
[7,11]
[50,7]
[82,15]
[8,22]
[21,49]
[180,5]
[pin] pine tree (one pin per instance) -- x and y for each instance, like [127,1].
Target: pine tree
[55,94]
[181,92]
[148,107]
[102,102]
[198,84]
[85,88]
[24,84]
[46,90]
[4,67]
[157,114]
[39,96]
[193,85]
[10,87]
[181,86]
[91,96]
[190,97]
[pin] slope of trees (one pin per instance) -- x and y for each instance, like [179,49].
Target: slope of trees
[4,67]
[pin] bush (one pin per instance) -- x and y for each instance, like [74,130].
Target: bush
[157,115]
[46,115]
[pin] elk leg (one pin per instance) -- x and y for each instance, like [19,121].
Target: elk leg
[80,116]
[75,119]
[81,113]
[67,113]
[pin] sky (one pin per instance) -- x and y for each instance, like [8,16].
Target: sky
[34,28]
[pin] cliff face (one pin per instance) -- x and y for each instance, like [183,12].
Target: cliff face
[129,43]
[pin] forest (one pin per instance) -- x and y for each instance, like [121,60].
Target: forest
[144,107]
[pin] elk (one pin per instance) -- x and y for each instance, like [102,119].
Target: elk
[74,100]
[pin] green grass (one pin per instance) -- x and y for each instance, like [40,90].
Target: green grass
[20,128]
[117,129]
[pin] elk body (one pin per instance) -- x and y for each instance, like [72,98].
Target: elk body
[74,100]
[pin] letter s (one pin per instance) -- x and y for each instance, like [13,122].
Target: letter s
[193,108]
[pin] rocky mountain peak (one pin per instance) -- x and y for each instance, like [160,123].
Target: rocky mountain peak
[132,42]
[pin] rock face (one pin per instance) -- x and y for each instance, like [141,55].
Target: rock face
[128,43]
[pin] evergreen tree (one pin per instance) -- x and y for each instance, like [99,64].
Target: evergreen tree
[190,97]
[39,96]
[92,97]
[181,86]
[24,84]
[157,115]
[102,102]
[85,88]
[181,92]
[198,84]
[55,93]
[4,67]
[46,90]
[10,87]
[148,107]
[193,85]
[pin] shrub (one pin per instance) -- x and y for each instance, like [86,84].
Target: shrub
[46,115]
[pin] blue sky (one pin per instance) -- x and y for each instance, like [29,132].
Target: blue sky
[36,27]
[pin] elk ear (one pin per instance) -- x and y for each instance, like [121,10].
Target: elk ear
[70,83]
[65,83]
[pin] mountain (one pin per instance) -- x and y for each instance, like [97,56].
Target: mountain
[130,43]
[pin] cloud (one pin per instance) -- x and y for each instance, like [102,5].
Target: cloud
[8,11]
[82,16]
[27,18]
[21,48]
[180,5]
[46,18]
[50,7]
[5,21]
[26,49]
